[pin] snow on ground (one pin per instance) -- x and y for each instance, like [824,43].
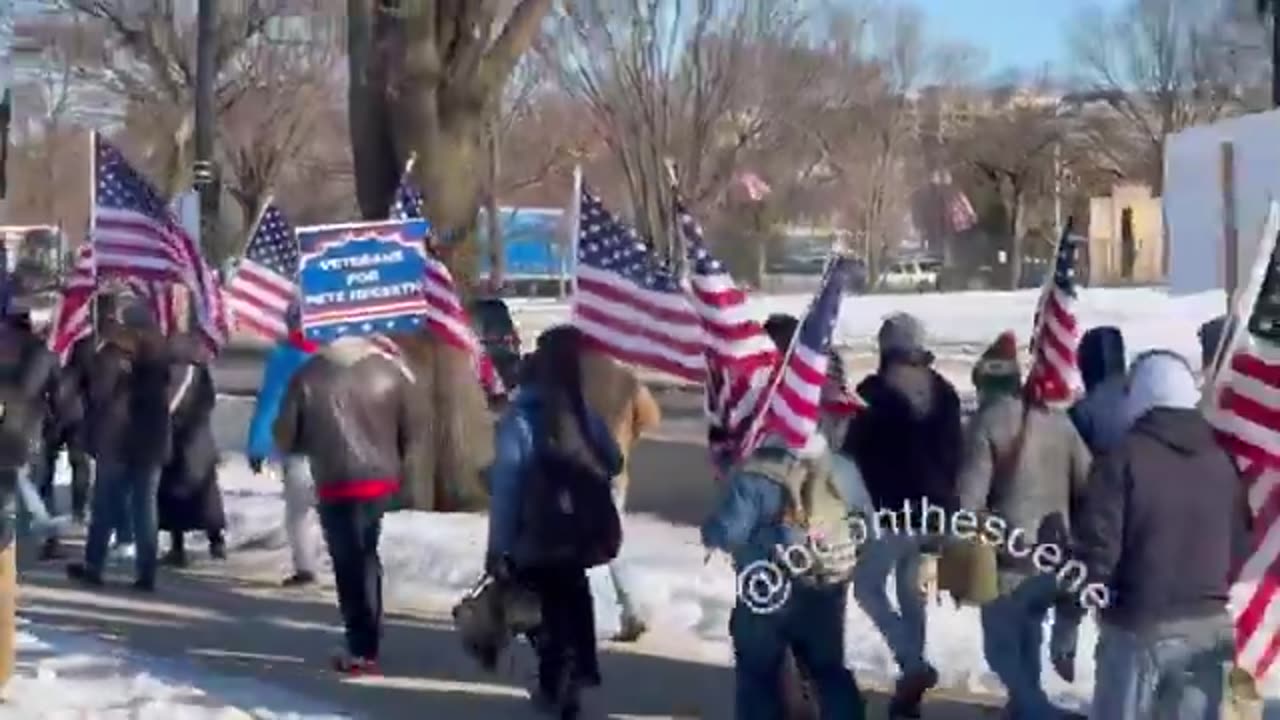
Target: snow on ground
[64,675]
[965,323]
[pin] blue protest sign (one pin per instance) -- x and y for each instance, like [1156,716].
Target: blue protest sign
[362,278]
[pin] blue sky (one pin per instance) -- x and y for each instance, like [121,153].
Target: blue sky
[1024,34]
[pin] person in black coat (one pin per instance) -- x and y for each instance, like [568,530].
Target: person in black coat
[189,498]
[908,444]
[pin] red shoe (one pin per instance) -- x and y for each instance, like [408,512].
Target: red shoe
[355,666]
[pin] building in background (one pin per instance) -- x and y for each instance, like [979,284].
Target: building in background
[1126,237]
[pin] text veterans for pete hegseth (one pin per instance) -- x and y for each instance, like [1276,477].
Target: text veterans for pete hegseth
[993,531]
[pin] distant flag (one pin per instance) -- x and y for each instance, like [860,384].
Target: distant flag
[960,213]
[266,282]
[1054,376]
[795,405]
[1247,418]
[740,356]
[135,234]
[753,185]
[445,313]
[628,303]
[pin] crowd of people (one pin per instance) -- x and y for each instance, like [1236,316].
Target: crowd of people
[1114,478]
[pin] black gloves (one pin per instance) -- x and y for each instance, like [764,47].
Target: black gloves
[255,464]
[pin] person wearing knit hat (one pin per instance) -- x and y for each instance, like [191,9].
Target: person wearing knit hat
[997,371]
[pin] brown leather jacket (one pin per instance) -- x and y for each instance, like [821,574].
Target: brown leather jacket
[613,391]
[346,410]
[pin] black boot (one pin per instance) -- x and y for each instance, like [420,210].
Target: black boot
[217,545]
[85,575]
[52,549]
[177,555]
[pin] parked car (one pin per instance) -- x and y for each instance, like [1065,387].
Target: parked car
[910,276]
[492,322]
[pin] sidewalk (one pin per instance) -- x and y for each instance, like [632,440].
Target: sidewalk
[242,628]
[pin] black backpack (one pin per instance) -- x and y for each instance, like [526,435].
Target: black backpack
[567,515]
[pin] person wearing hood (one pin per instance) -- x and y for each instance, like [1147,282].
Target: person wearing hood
[299,493]
[907,443]
[1097,416]
[1164,526]
[1025,467]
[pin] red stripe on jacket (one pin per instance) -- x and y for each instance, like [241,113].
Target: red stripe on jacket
[370,489]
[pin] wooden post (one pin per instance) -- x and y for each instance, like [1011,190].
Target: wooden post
[1230,233]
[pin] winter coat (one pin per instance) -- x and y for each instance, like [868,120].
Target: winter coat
[31,371]
[1166,520]
[1098,416]
[128,408]
[748,522]
[907,442]
[189,497]
[288,356]
[621,399]
[347,411]
[520,424]
[1046,481]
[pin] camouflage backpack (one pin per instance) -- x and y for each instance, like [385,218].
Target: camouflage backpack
[819,543]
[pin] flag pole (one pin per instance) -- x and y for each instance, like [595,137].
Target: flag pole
[1244,298]
[93,224]
[257,222]
[570,264]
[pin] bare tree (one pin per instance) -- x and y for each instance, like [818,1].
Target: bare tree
[1161,66]
[673,81]
[147,60]
[425,76]
[287,91]
[1011,148]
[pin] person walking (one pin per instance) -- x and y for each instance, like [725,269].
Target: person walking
[65,429]
[620,398]
[907,443]
[550,413]
[776,497]
[131,440]
[299,491]
[1165,637]
[189,496]
[1097,416]
[346,411]
[1024,470]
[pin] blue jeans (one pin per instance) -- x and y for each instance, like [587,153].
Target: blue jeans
[1012,636]
[811,623]
[124,493]
[904,629]
[1174,670]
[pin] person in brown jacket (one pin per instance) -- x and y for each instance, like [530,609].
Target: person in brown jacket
[346,411]
[616,394]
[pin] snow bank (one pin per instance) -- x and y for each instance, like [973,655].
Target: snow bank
[61,675]
[965,323]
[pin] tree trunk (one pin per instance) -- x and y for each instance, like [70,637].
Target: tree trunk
[1013,206]
[377,169]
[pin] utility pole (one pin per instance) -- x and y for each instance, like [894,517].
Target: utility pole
[206,173]
[1274,10]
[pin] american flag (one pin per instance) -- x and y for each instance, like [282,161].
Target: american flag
[445,313]
[630,305]
[1054,376]
[1247,418]
[740,357]
[266,283]
[796,405]
[73,318]
[135,234]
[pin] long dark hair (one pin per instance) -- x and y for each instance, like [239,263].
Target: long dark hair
[557,372]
